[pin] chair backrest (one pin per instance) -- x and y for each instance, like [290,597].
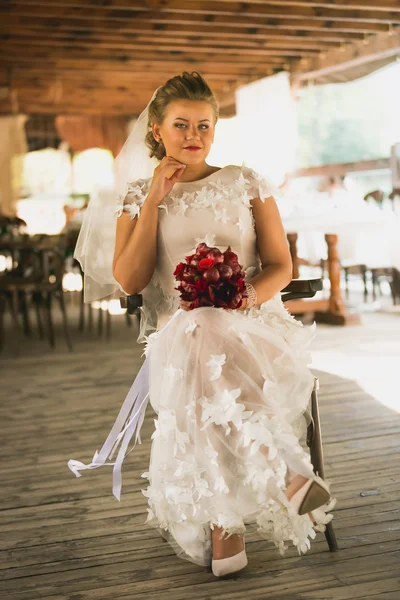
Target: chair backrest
[377,195]
[39,258]
[53,250]
[297,289]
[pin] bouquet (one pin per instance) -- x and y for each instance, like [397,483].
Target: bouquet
[210,277]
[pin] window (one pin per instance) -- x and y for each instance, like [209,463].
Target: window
[349,122]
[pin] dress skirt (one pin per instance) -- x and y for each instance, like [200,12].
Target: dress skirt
[231,390]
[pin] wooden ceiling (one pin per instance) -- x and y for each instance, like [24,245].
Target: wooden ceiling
[108,56]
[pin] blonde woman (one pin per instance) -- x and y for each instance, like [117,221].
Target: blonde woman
[229,387]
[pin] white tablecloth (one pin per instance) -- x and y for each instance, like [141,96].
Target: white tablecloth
[366,233]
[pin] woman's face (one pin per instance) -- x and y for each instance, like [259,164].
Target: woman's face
[187,130]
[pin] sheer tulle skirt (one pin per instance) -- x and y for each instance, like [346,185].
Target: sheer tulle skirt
[230,389]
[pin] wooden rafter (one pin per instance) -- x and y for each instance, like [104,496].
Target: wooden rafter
[379,48]
[92,56]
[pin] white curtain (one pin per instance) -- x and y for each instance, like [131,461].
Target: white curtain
[13,147]
[266,113]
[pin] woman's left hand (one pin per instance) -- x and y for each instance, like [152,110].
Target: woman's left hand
[185,305]
[243,305]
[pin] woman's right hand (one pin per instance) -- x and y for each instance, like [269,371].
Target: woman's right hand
[165,175]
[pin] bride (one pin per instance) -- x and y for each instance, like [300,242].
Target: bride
[230,387]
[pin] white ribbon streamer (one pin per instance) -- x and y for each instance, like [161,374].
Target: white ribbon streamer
[130,418]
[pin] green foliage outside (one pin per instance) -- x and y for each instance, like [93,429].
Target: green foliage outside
[349,122]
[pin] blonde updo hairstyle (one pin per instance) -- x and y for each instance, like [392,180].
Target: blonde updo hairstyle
[188,86]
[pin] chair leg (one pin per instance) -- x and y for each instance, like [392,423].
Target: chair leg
[346,278]
[81,326]
[317,459]
[14,305]
[37,300]
[100,322]
[49,320]
[2,310]
[108,324]
[365,285]
[61,300]
[25,314]
[374,284]
[90,319]
[128,319]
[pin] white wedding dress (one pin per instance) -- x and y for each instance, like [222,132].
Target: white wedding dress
[230,388]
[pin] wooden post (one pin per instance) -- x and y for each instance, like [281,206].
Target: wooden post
[337,313]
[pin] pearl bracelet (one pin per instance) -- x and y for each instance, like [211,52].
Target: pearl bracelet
[251,295]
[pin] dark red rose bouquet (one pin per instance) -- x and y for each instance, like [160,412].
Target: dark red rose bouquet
[210,277]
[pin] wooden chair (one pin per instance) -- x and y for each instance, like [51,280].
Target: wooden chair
[297,288]
[356,269]
[379,274]
[100,319]
[41,283]
[394,197]
[377,195]
[395,285]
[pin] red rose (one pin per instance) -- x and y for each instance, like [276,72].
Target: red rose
[205,263]
[241,284]
[201,286]
[179,270]
[189,258]
[188,275]
[202,249]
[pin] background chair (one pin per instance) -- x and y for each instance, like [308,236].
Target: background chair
[297,288]
[38,277]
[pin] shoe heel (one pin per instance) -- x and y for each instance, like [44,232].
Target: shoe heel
[310,496]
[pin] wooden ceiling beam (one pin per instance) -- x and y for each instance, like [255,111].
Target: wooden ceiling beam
[54,15]
[130,9]
[140,75]
[58,38]
[379,47]
[134,86]
[37,27]
[384,5]
[82,106]
[59,92]
[141,60]
[105,79]
[167,68]
[45,48]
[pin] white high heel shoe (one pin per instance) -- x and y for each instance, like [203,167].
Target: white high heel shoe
[311,495]
[224,566]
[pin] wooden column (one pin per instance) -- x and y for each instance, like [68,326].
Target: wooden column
[332,310]
[337,313]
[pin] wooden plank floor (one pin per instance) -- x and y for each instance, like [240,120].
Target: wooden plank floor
[68,538]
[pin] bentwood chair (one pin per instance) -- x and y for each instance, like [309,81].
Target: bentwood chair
[297,289]
[38,278]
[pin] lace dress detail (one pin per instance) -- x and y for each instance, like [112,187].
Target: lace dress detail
[230,388]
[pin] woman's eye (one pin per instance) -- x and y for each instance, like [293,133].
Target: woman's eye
[184,125]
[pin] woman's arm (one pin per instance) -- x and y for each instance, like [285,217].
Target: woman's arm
[135,253]
[136,249]
[273,249]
